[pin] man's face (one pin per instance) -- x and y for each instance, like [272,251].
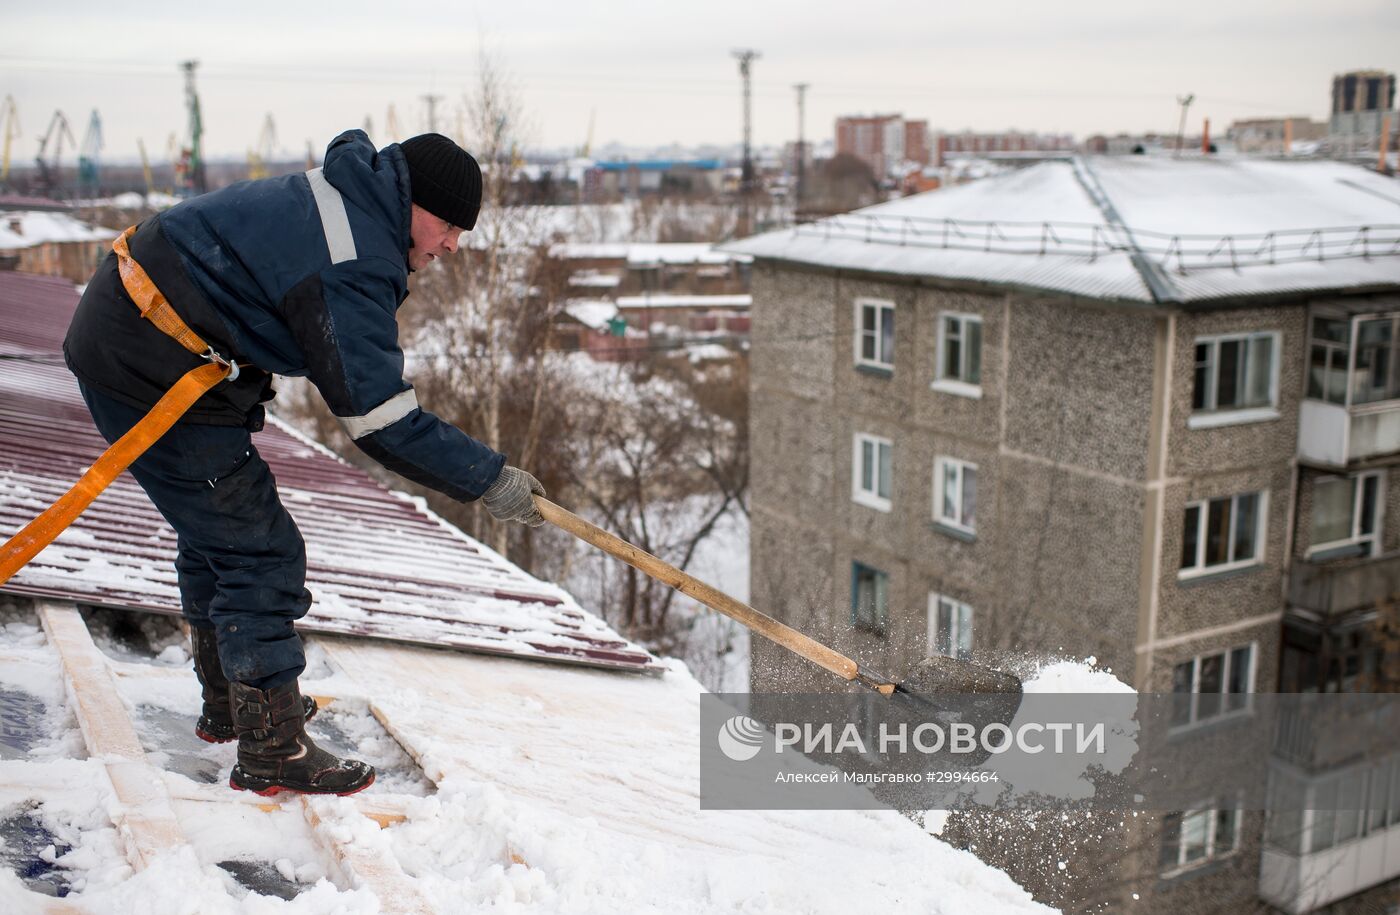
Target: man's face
[431,238]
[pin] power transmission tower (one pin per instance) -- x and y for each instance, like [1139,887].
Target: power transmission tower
[1185,102]
[194,181]
[746,57]
[432,101]
[801,141]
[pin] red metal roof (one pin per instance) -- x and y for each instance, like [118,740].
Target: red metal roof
[379,564]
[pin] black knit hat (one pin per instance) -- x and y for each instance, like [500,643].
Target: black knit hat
[443,178]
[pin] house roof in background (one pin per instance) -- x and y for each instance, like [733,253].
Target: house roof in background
[643,254]
[380,564]
[26,228]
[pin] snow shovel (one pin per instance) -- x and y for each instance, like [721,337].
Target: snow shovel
[933,676]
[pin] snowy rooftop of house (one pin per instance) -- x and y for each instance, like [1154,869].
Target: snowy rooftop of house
[595,280]
[646,254]
[663,300]
[380,564]
[26,228]
[1128,228]
[594,313]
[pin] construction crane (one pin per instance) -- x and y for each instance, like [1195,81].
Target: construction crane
[49,174]
[89,173]
[194,180]
[10,115]
[258,159]
[146,167]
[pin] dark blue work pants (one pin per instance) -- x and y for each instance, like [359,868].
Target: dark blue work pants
[241,560]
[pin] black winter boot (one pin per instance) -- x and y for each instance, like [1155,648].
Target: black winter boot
[215,725]
[276,754]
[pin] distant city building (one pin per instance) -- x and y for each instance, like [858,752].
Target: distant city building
[1363,102]
[883,141]
[967,142]
[628,178]
[1274,136]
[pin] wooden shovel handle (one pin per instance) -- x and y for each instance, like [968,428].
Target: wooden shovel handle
[713,598]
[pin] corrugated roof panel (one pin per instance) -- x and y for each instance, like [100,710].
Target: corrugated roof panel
[379,564]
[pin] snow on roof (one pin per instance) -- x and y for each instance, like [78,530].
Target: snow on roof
[533,788]
[685,301]
[380,564]
[1132,228]
[595,280]
[640,254]
[26,228]
[594,313]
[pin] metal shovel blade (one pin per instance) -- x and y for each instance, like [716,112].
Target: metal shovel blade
[944,689]
[941,675]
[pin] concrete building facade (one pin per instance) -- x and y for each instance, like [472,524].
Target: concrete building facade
[986,449]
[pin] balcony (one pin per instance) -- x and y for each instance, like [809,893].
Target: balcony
[1352,410]
[1303,883]
[1334,588]
[1332,435]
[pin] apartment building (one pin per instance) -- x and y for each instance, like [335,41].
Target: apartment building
[1138,409]
[883,141]
[1363,109]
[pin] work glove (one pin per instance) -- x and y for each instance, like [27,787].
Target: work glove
[512,497]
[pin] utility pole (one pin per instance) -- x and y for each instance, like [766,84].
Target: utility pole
[432,101]
[1185,102]
[746,57]
[801,142]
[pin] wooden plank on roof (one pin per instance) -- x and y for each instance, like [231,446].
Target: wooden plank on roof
[374,868]
[143,815]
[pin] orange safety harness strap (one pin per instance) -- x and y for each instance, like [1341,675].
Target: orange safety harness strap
[40,532]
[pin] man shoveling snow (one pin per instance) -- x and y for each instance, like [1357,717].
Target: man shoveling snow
[296,275]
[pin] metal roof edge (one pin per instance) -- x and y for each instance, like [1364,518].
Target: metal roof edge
[958,284]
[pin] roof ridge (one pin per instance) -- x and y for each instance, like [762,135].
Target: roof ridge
[1153,276]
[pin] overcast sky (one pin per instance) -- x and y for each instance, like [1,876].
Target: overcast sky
[650,73]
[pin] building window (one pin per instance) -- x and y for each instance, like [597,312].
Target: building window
[1212,685]
[949,627]
[1194,836]
[1224,533]
[1327,359]
[1346,806]
[872,473]
[1235,372]
[955,493]
[959,367]
[1376,375]
[869,598]
[875,333]
[1347,515]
